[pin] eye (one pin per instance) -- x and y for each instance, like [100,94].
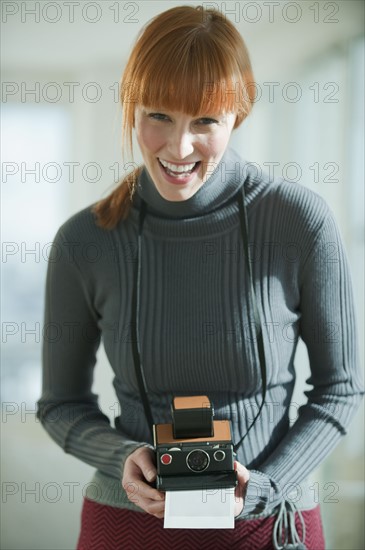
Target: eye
[157,116]
[205,121]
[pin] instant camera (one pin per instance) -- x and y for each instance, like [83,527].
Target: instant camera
[195,451]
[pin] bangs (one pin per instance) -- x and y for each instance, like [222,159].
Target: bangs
[193,82]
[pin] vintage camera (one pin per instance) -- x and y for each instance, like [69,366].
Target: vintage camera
[195,451]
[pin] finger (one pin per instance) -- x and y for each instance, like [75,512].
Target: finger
[152,507]
[135,472]
[134,484]
[138,488]
[145,461]
[242,473]
[243,476]
[138,466]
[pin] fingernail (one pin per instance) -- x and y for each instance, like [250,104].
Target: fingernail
[150,476]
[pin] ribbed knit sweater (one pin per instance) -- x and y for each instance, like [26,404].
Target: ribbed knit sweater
[196,328]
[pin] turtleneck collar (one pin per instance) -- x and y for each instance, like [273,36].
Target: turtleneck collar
[222,185]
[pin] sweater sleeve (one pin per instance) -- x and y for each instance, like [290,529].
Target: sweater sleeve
[68,409]
[328,329]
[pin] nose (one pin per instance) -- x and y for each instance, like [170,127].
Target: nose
[180,144]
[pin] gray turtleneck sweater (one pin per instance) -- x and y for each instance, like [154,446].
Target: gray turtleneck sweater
[196,330]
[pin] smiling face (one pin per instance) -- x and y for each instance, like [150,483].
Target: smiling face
[180,152]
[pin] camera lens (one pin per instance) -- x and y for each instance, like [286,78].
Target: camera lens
[219,456]
[198,460]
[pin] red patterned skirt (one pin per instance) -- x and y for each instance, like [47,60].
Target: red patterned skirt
[108,528]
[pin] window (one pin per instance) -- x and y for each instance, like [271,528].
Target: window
[34,194]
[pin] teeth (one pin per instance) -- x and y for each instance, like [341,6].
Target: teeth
[177,168]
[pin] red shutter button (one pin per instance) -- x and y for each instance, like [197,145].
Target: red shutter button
[166,459]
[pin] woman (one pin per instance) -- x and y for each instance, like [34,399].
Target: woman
[172,288]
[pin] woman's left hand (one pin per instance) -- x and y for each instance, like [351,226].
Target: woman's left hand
[243,475]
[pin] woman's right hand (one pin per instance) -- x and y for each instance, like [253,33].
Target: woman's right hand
[139,472]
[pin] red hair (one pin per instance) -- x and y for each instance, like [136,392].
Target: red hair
[187,59]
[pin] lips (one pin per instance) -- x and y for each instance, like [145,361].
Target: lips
[179,178]
[178,167]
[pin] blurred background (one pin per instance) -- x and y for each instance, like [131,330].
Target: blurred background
[61,151]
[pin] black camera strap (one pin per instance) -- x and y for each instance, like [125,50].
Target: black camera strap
[136,308]
[255,311]
[135,324]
